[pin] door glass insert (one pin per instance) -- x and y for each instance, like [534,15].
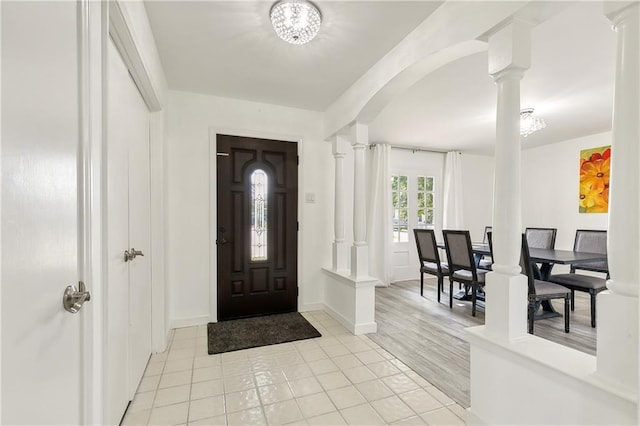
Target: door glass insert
[425,201]
[259,190]
[399,204]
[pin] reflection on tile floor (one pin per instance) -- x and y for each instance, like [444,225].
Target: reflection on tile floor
[336,379]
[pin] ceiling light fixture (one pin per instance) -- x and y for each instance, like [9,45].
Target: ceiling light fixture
[295,21]
[529,123]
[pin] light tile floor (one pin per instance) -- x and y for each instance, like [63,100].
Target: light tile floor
[336,379]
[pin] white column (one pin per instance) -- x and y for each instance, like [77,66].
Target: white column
[359,250]
[506,313]
[340,249]
[617,346]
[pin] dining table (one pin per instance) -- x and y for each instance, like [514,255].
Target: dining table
[547,258]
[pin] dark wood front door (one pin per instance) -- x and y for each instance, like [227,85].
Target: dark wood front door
[257,187]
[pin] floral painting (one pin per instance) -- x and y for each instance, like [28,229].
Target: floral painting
[594,180]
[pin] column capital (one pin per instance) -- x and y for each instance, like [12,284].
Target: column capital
[359,135]
[339,145]
[618,10]
[510,73]
[510,48]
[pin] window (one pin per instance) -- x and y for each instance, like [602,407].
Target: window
[399,202]
[425,200]
[259,191]
[412,200]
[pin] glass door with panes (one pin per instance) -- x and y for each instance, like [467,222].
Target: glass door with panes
[413,206]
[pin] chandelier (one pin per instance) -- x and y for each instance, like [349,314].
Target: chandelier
[295,21]
[529,123]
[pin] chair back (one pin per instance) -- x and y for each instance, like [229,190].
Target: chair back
[487,231]
[541,238]
[591,241]
[427,246]
[459,252]
[527,267]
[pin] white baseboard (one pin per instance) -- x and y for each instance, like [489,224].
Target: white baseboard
[365,328]
[471,418]
[342,320]
[189,322]
[311,307]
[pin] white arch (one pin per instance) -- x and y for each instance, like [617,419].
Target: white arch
[453,31]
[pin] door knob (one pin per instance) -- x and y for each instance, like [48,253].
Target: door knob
[73,298]
[221,241]
[130,255]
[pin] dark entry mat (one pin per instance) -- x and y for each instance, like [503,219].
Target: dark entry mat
[227,336]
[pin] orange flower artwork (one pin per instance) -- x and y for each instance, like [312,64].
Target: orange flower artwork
[594,180]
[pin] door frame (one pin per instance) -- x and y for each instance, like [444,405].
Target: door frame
[213,208]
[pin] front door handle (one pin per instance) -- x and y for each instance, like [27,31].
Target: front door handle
[73,298]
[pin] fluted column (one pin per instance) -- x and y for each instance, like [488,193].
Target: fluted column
[509,56]
[340,259]
[359,251]
[617,343]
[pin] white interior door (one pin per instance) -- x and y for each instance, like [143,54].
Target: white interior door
[41,342]
[129,292]
[140,240]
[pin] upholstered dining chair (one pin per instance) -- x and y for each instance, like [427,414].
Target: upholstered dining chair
[538,290]
[590,241]
[542,238]
[429,258]
[485,262]
[462,266]
[541,290]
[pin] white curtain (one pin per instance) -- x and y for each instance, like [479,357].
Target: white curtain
[379,232]
[452,213]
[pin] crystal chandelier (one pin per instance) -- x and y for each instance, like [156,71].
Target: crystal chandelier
[295,21]
[530,123]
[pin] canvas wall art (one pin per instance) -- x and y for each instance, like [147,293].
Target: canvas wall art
[594,180]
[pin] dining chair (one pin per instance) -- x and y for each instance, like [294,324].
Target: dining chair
[590,241]
[462,266]
[429,258]
[485,262]
[539,290]
[541,238]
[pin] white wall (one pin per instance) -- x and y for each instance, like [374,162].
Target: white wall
[190,118]
[550,179]
[477,185]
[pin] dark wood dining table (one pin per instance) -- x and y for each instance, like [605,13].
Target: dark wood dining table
[547,258]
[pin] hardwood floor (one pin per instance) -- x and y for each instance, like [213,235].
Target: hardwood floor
[430,338]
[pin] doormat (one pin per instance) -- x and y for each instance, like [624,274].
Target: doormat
[227,336]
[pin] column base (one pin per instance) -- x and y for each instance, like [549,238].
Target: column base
[617,344]
[359,261]
[340,260]
[506,306]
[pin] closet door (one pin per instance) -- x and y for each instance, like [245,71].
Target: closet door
[140,241]
[129,284]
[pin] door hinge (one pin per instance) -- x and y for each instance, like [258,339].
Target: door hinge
[297,291]
[297,226]
[297,160]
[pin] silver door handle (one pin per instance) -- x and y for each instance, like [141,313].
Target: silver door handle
[130,255]
[73,298]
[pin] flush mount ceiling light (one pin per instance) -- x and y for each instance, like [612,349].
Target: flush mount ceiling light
[295,21]
[529,123]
